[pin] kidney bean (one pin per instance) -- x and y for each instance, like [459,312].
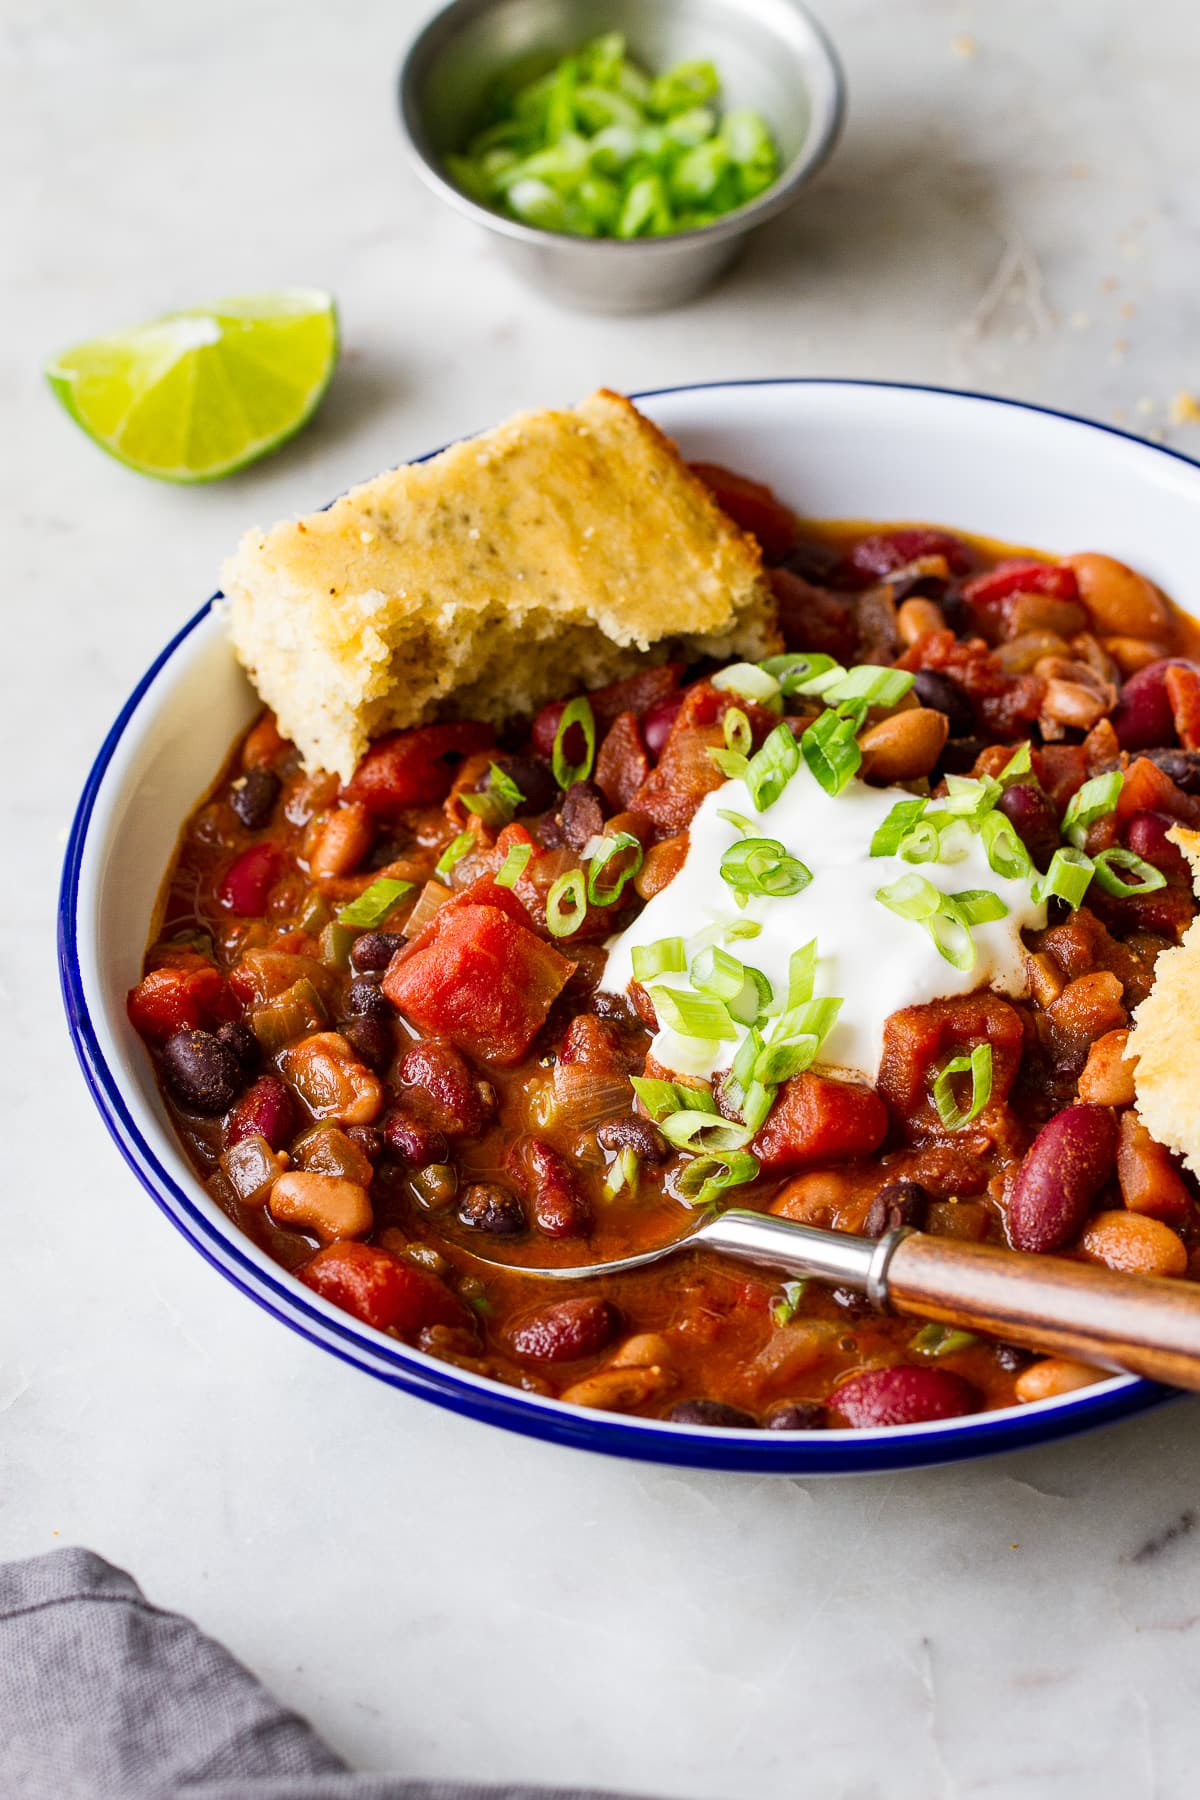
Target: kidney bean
[899,1203]
[1069,1161]
[657,720]
[264,1110]
[436,1083]
[488,1207]
[796,1415]
[414,1140]
[1142,717]
[1146,836]
[1182,766]
[566,1331]
[881,553]
[901,1396]
[238,1037]
[712,1413]
[247,882]
[1134,1243]
[372,1039]
[373,951]
[252,797]
[203,1074]
[559,1208]
[1034,820]
[639,1135]
[581,814]
[365,999]
[943,694]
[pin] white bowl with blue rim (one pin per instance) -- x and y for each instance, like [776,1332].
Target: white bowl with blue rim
[863,450]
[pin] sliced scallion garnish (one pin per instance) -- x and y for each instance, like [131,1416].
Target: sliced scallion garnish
[941,1340]
[1094,800]
[803,671]
[577,715]
[830,748]
[375,903]
[751,681]
[619,844]
[978,1065]
[693,1015]
[736,727]
[771,768]
[872,683]
[763,866]
[1004,848]
[704,1180]
[784,1310]
[566,903]
[666,956]
[704,1131]
[895,828]
[497,803]
[1068,877]
[1146,878]
[661,1098]
[513,866]
[454,852]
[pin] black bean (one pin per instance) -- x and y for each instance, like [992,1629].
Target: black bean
[373,1040]
[202,1073]
[959,614]
[374,950]
[851,1301]
[535,779]
[487,1207]
[945,695]
[1034,820]
[959,756]
[617,1007]
[796,1415]
[899,1203]
[238,1037]
[582,813]
[638,1135]
[712,1412]
[1183,766]
[253,796]
[1012,1357]
[365,999]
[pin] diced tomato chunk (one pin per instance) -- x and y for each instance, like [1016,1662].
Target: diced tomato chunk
[622,764]
[685,771]
[1022,576]
[172,999]
[413,768]
[1064,770]
[1147,788]
[1183,691]
[752,505]
[381,1289]
[479,978]
[919,1040]
[247,882]
[815,1119]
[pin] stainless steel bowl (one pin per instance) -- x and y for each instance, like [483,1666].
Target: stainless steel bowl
[771,53]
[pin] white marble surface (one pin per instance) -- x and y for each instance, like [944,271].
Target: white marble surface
[1013,207]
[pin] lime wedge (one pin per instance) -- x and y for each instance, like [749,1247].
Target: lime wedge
[197,394]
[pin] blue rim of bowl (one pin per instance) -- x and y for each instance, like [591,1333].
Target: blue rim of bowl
[761,1452]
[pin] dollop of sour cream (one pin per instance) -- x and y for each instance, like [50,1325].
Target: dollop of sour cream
[874,960]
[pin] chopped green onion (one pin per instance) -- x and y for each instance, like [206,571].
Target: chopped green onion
[454,852]
[923,842]
[796,1040]
[952,938]
[1067,878]
[701,1131]
[978,906]
[624,1173]
[608,848]
[899,822]
[738,735]
[566,903]
[970,797]
[763,866]
[803,671]
[978,1065]
[771,768]
[784,1310]
[738,820]
[577,712]
[941,1340]
[513,866]
[661,1098]
[802,975]
[946,917]
[1094,800]
[496,803]
[703,1181]
[665,956]
[732,763]
[911,897]
[715,972]
[1146,877]
[871,682]
[1006,853]
[757,1101]
[1019,764]
[751,681]
[375,903]
[692,1015]
[830,749]
[731,929]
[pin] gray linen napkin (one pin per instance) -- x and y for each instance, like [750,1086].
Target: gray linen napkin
[103,1694]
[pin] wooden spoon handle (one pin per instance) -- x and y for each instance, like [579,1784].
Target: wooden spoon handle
[1134,1323]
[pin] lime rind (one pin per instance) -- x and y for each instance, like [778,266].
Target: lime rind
[203,392]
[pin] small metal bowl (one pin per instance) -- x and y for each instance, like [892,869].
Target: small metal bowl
[771,54]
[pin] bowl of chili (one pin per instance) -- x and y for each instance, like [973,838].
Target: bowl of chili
[844,451]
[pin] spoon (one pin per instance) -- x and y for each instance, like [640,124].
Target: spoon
[1135,1324]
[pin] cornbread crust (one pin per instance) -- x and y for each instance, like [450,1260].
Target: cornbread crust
[1165,1040]
[549,555]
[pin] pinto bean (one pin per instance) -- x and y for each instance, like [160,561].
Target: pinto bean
[661,866]
[341,841]
[617,1390]
[644,1350]
[1064,1169]
[1107,1078]
[1120,601]
[331,1080]
[905,746]
[915,618]
[1052,1376]
[1150,1182]
[1131,653]
[331,1207]
[565,1331]
[901,1396]
[1134,1243]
